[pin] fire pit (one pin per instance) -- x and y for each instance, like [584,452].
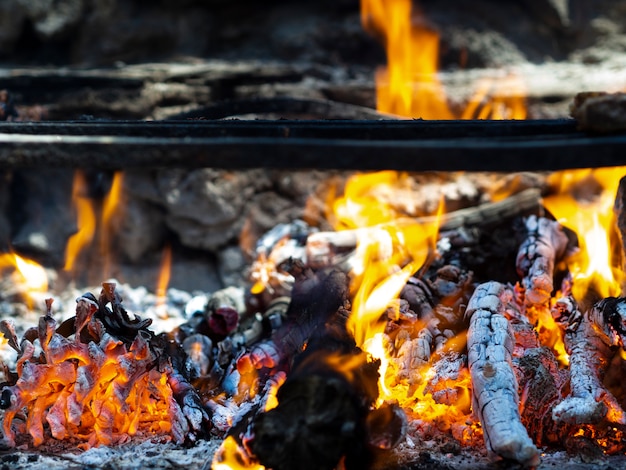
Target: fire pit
[242,264]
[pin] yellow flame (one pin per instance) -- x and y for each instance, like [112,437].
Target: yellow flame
[86,221]
[112,205]
[591,217]
[164,276]
[30,275]
[409,85]
[230,456]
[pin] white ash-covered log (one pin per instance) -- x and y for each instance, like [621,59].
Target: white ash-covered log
[592,339]
[490,344]
[545,245]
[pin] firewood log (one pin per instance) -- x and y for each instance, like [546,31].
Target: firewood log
[495,398]
[591,340]
[545,244]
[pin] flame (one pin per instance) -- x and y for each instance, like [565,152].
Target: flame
[86,221]
[110,207]
[595,272]
[390,249]
[409,86]
[230,456]
[91,217]
[164,277]
[29,275]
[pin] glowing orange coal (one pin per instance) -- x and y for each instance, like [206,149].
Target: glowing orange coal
[409,85]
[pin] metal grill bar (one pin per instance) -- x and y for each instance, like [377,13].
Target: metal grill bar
[349,145]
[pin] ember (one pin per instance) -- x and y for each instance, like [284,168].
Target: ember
[111,381]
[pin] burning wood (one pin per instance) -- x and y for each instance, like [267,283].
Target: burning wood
[490,343]
[112,380]
[545,245]
[592,340]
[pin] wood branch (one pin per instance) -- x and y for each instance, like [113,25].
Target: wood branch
[591,340]
[619,210]
[490,345]
[316,296]
[544,246]
[331,248]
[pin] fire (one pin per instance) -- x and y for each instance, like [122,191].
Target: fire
[110,208]
[231,456]
[391,249]
[93,220]
[409,86]
[595,272]
[92,388]
[30,276]
[86,221]
[164,277]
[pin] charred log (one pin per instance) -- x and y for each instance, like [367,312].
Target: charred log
[316,296]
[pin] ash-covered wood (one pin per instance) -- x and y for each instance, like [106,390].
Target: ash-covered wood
[545,245]
[542,383]
[490,344]
[592,339]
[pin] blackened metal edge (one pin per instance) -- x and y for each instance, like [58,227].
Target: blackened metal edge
[514,147]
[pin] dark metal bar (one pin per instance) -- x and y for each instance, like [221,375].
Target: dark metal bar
[349,145]
[326,129]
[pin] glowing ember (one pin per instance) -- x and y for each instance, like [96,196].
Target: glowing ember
[95,388]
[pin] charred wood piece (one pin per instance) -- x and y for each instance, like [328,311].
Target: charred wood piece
[115,319]
[619,210]
[490,344]
[223,311]
[316,296]
[592,340]
[545,244]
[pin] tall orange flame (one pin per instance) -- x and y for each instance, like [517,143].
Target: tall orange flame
[409,85]
[110,207]
[594,269]
[86,221]
[164,277]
